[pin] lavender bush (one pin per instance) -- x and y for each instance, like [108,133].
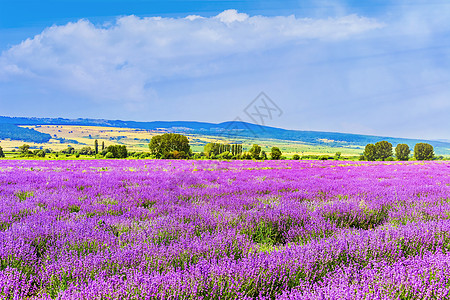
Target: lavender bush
[224,230]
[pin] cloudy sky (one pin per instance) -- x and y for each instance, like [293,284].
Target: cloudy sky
[378,67]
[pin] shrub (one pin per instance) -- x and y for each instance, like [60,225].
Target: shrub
[109,155]
[199,155]
[337,156]
[176,155]
[295,157]
[1,152]
[246,155]
[225,155]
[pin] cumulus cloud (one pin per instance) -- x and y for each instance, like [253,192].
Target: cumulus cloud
[123,61]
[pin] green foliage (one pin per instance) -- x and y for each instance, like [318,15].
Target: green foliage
[236,149]
[383,150]
[402,152]
[86,151]
[68,150]
[275,153]
[358,219]
[1,152]
[423,151]
[295,157]
[199,155]
[176,155]
[217,149]
[109,155]
[337,156]
[40,153]
[162,145]
[96,147]
[225,155]
[263,155]
[118,151]
[255,151]
[370,153]
[246,155]
[24,149]
[24,195]
[266,232]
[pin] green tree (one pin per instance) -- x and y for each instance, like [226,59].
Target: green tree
[255,151]
[96,147]
[211,149]
[275,153]
[370,152]
[24,149]
[86,151]
[402,152]
[263,155]
[383,150]
[69,150]
[1,152]
[236,149]
[40,153]
[103,145]
[423,151]
[118,151]
[216,149]
[225,155]
[162,145]
[296,157]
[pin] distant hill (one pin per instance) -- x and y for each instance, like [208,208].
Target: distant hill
[13,132]
[236,129]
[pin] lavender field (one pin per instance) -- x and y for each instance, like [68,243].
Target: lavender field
[125,229]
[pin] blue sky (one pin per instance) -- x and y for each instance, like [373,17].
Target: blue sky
[370,67]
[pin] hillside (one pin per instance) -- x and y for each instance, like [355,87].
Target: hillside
[233,131]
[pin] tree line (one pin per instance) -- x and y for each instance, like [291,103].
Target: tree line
[176,146]
[383,150]
[111,151]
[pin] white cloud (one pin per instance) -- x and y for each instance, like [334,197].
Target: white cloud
[122,62]
[232,15]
